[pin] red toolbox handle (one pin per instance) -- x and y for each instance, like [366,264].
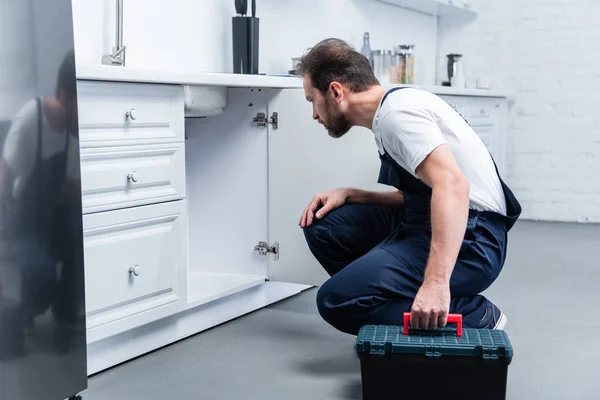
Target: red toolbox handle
[456,318]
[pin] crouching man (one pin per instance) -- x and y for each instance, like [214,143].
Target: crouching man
[436,241]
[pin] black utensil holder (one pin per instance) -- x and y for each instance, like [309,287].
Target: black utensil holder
[245,34]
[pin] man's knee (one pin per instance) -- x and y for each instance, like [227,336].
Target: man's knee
[313,236]
[327,308]
[318,234]
[334,310]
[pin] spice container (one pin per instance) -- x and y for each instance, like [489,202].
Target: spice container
[406,65]
[394,63]
[377,62]
[381,65]
[384,76]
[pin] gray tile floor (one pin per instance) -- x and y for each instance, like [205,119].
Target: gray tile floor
[549,290]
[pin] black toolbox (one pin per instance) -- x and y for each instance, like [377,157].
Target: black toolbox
[402,363]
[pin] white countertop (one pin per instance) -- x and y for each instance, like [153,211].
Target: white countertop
[453,91]
[127,74]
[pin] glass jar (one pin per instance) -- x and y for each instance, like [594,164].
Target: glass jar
[406,65]
[394,64]
[377,62]
[384,76]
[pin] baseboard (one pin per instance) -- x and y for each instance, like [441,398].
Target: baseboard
[126,346]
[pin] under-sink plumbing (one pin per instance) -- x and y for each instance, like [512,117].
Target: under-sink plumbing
[118,52]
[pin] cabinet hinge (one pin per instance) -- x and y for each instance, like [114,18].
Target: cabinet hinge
[263,249]
[262,120]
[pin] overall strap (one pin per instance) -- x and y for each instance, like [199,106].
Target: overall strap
[390,91]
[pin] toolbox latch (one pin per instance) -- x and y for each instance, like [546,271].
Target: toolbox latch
[490,352]
[433,350]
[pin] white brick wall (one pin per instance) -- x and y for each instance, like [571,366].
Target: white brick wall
[548,53]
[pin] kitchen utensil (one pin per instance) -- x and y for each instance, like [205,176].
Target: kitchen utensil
[239,7]
[245,37]
[253,25]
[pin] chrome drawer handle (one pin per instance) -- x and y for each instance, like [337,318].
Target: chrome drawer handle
[136,270]
[133,177]
[131,114]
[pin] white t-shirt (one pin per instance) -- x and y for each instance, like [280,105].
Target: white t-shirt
[21,146]
[411,123]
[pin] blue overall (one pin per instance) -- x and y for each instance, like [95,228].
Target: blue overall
[376,255]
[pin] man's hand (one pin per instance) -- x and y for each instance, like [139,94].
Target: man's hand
[324,203]
[431,306]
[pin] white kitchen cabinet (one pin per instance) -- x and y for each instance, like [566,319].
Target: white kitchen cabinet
[135,271]
[304,160]
[208,229]
[124,113]
[121,177]
[488,117]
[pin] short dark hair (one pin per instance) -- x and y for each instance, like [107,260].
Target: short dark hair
[67,78]
[335,60]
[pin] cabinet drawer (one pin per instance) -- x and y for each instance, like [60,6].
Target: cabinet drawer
[476,110]
[112,113]
[134,267]
[120,177]
[482,111]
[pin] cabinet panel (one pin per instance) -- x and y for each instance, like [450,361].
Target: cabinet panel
[476,110]
[305,160]
[486,133]
[488,118]
[481,110]
[113,113]
[119,177]
[226,170]
[134,267]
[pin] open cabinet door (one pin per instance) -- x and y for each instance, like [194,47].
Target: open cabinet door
[304,160]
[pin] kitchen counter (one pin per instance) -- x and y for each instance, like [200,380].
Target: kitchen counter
[453,91]
[127,74]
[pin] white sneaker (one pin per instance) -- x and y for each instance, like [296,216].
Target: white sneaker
[501,324]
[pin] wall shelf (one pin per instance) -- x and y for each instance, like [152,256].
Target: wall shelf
[440,8]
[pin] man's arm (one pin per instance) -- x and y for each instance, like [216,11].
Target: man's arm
[328,201]
[449,215]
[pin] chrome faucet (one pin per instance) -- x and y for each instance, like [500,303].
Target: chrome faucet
[118,52]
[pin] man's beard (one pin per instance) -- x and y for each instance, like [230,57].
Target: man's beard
[338,124]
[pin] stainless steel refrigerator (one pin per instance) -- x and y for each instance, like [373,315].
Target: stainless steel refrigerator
[42,304]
